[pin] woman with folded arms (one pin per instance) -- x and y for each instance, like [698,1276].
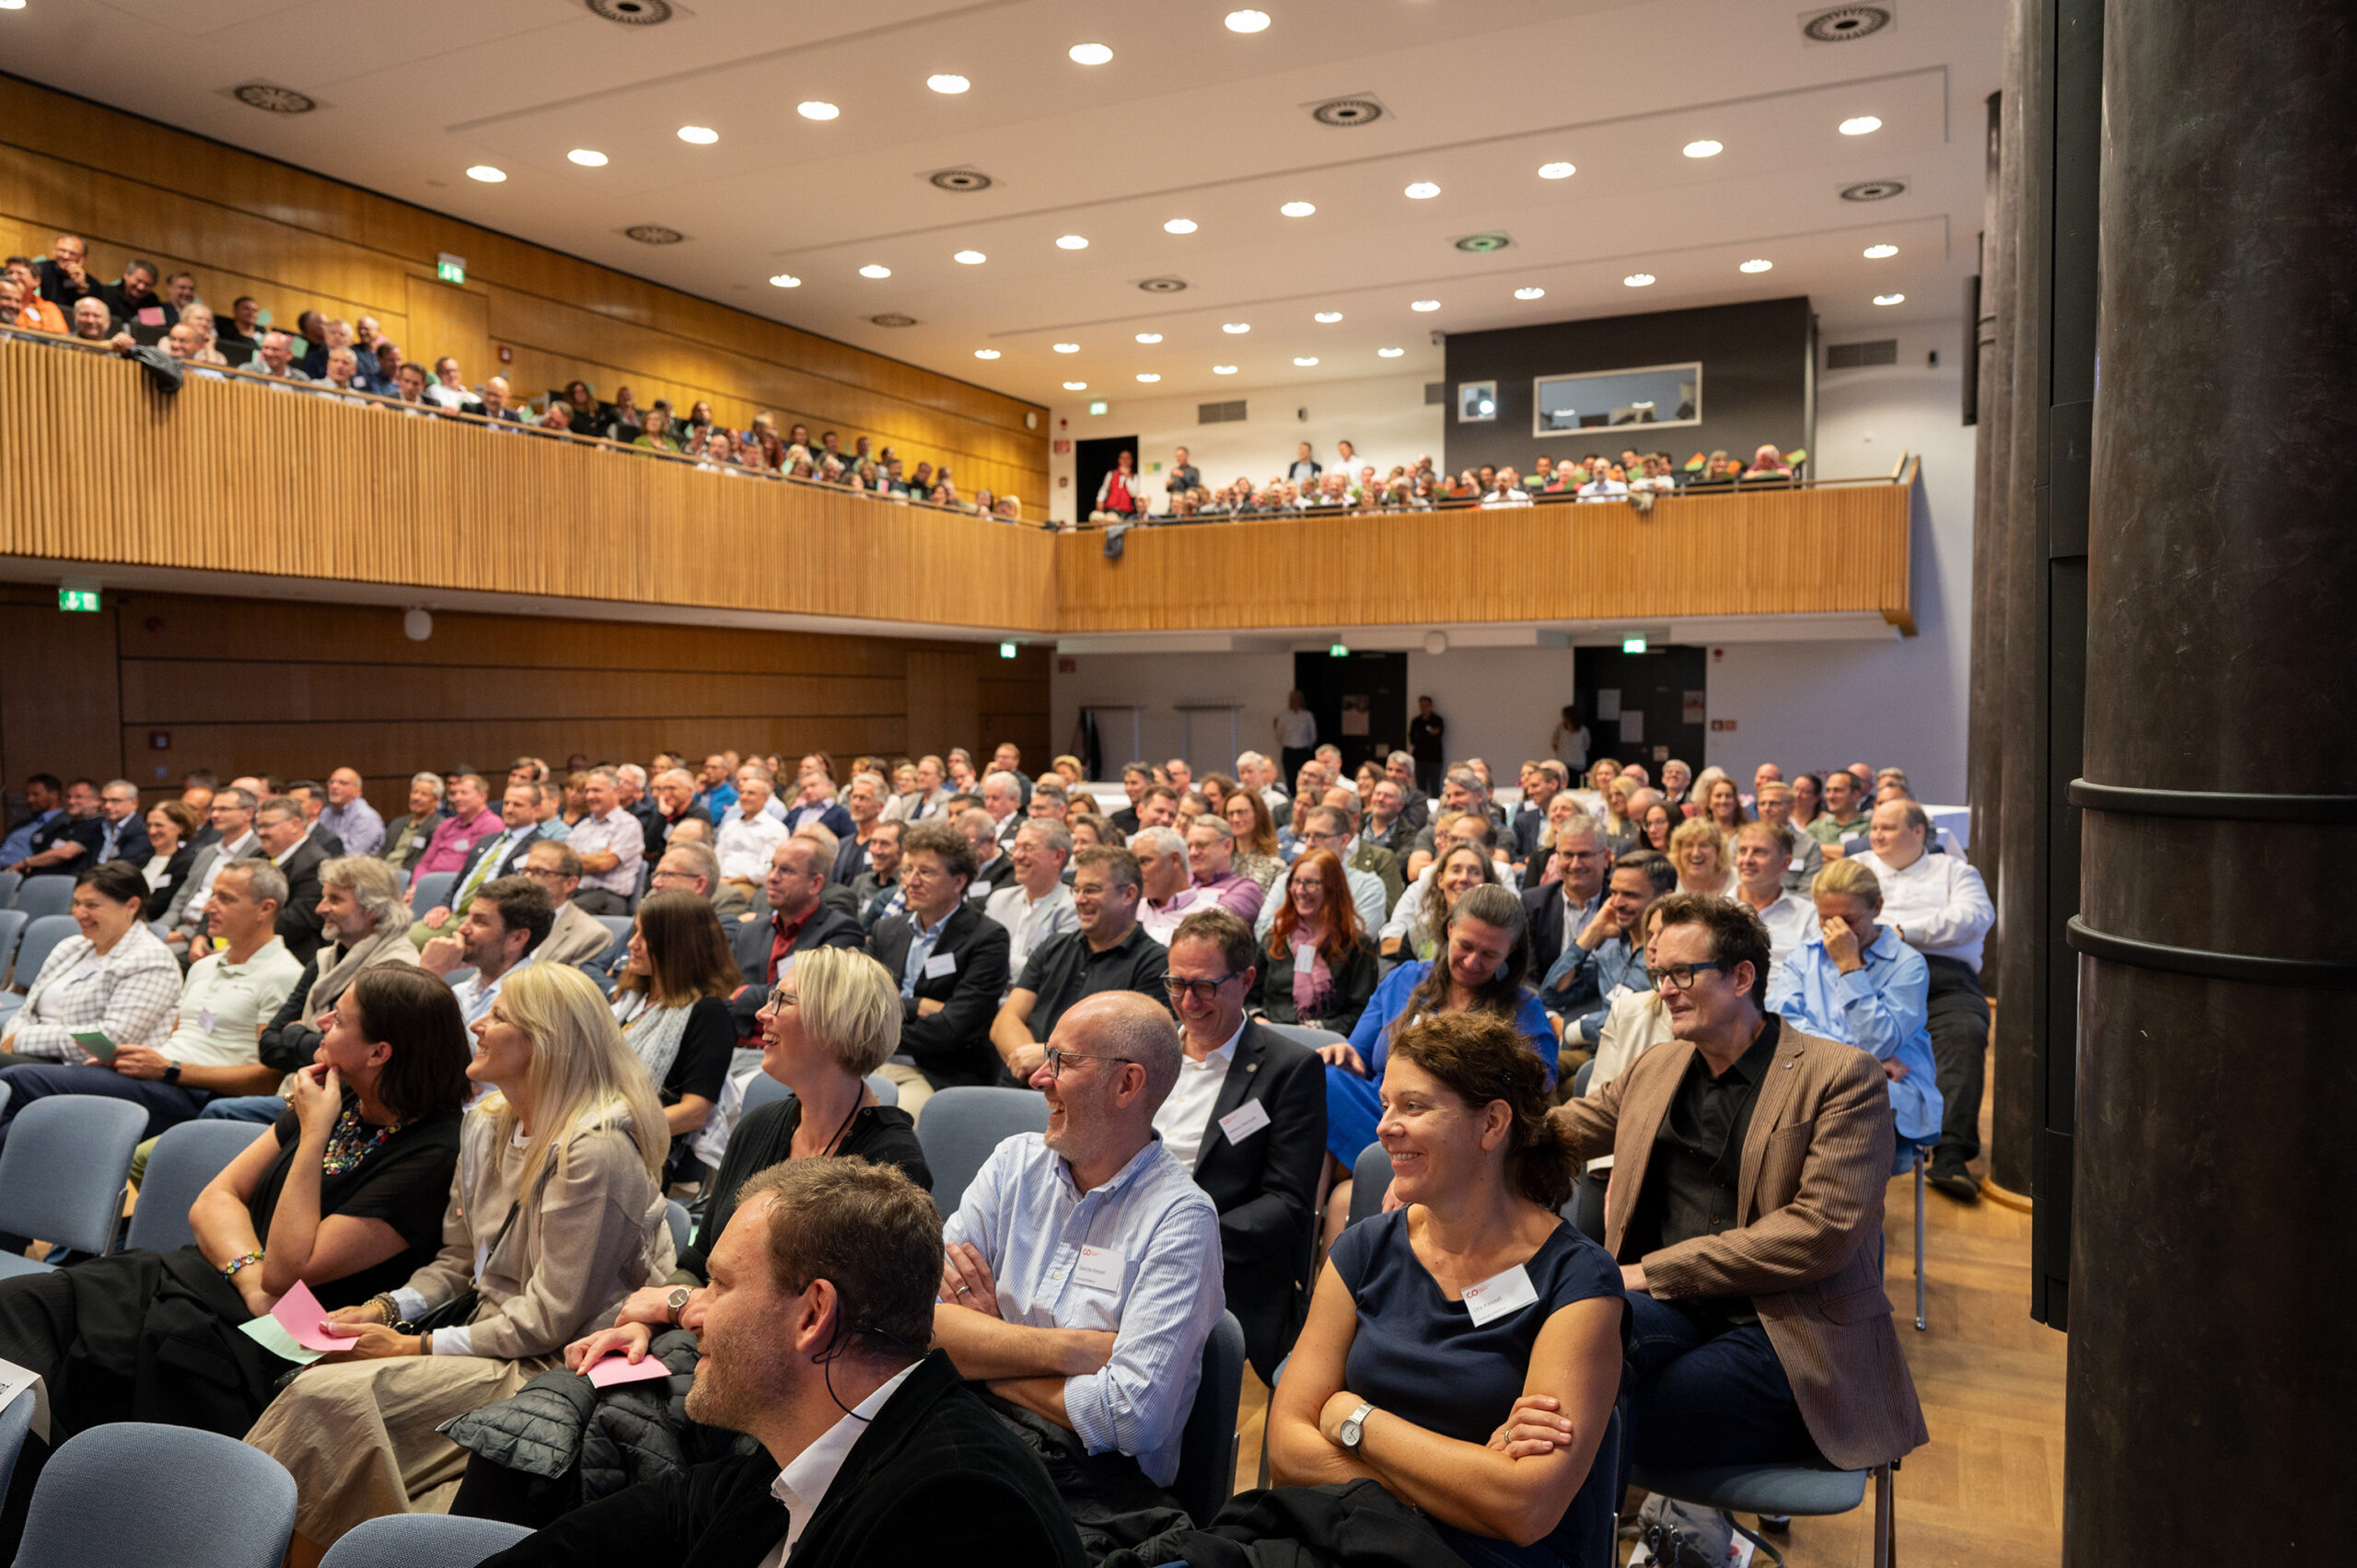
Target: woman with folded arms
[114,978]
[1319,966]
[556,1218]
[345,1193]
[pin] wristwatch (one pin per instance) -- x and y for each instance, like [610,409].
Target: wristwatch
[172,1072]
[1354,1425]
[677,1302]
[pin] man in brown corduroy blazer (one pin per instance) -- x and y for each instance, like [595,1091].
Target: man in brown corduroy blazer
[1746,1209]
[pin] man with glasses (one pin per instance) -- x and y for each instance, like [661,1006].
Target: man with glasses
[796,920]
[1109,951]
[1082,1268]
[1608,953]
[1248,1118]
[493,855]
[1564,907]
[232,816]
[951,960]
[575,936]
[1749,1161]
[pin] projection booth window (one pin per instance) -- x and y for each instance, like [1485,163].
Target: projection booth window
[1606,400]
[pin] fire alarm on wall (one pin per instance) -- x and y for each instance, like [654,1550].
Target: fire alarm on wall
[506,355]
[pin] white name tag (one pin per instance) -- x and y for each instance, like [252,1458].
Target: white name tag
[1100,1268]
[1800,862]
[940,964]
[1244,1121]
[1499,1295]
[979,890]
[1615,994]
[205,1019]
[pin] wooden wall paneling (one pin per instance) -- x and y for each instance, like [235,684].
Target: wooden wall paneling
[944,702]
[447,319]
[58,711]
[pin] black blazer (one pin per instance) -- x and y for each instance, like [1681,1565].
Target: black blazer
[990,878]
[933,1459]
[1354,985]
[1544,905]
[1266,1187]
[174,873]
[511,861]
[952,1046]
[300,924]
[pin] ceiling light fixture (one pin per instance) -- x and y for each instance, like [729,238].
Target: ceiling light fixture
[1179,226]
[970,258]
[815,109]
[1222,369]
[785,280]
[1149,337]
[1327,318]
[1297,209]
[1071,242]
[947,82]
[1065,348]
[875,270]
[1422,191]
[1881,252]
[1248,21]
[1704,148]
[1530,294]
[586,158]
[487,174]
[1639,280]
[1089,53]
[1861,125]
[1236,327]
[986,354]
[1757,265]
[1424,305]
[1306,363]
[702,135]
[1075,385]
[1389,353]
[1556,172]
[1148,375]
[1890,299]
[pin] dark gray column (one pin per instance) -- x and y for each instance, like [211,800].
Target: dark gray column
[2211,1378]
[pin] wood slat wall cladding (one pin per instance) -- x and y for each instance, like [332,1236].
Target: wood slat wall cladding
[296,240]
[1766,553]
[103,468]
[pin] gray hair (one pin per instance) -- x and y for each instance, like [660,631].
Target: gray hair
[705,863]
[373,883]
[263,880]
[280,805]
[431,780]
[1052,833]
[1162,840]
[1003,779]
[1216,824]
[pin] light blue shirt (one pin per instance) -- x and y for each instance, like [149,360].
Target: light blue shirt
[1024,1213]
[1883,1009]
[357,825]
[920,949]
[19,841]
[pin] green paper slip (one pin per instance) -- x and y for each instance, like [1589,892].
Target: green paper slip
[96,1042]
[271,1334]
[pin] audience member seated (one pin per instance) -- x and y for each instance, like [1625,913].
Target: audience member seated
[688,865]
[794,919]
[1083,1274]
[1213,876]
[69,842]
[1245,812]
[612,842]
[1603,957]
[471,821]
[374,1125]
[1846,817]
[114,977]
[555,1219]
[228,835]
[1373,874]
[1776,808]
[503,929]
[1762,853]
[575,936]
[1317,963]
[1566,895]
[406,836]
[951,963]
[1763,1334]
[1248,1118]
[491,856]
[287,839]
[1035,907]
[672,1003]
[1699,851]
[1109,950]
[876,892]
[1418,921]
[172,827]
[831,1020]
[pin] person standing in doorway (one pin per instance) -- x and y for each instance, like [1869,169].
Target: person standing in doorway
[1571,740]
[1297,730]
[1425,744]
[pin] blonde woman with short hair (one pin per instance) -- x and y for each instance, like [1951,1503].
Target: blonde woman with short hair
[1699,852]
[555,1217]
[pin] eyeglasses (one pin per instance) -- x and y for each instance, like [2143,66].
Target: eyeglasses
[1058,1056]
[1679,977]
[780,1000]
[1203,990]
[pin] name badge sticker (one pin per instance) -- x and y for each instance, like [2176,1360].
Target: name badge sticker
[1499,1295]
[1244,1121]
[1101,1268]
[940,964]
[205,1019]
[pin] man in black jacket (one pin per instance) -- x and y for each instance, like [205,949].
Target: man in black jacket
[951,960]
[812,1329]
[286,838]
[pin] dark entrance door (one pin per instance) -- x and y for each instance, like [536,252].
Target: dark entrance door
[1361,702]
[1091,460]
[1666,688]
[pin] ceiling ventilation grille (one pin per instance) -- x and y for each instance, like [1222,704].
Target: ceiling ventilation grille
[1220,413]
[1874,190]
[1856,357]
[1163,285]
[275,99]
[632,13]
[654,234]
[1360,109]
[893,318]
[964,182]
[1843,24]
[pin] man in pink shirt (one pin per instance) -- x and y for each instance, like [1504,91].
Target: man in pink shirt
[471,819]
[1211,857]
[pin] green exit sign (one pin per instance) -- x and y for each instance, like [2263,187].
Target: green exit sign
[1338,650]
[1632,644]
[449,267]
[1098,407]
[77,598]
[1006,650]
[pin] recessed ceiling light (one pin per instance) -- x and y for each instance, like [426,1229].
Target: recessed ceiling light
[1235,325]
[1075,385]
[1071,242]
[1248,21]
[1878,252]
[587,158]
[702,135]
[1422,191]
[971,258]
[1222,369]
[1861,125]
[487,174]
[947,82]
[12,4]
[1389,353]
[1639,280]
[1890,299]
[785,280]
[1306,363]
[986,354]
[1530,294]
[815,109]
[1149,337]
[1556,172]
[1328,317]
[1704,148]
[1424,305]
[1089,53]
[874,270]
[1148,375]
[1757,265]
[1297,209]
[1065,348]
[1179,226]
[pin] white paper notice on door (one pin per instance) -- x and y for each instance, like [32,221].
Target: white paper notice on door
[1633,727]
[1607,704]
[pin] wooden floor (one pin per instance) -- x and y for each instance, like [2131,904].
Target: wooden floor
[1987,1493]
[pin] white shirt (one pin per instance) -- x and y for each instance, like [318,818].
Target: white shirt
[1791,920]
[1185,1119]
[1939,904]
[745,845]
[803,1484]
[1030,922]
[1160,920]
[223,1007]
[1297,729]
[1602,489]
[192,912]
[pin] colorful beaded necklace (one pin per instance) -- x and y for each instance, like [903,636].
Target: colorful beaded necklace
[352,1141]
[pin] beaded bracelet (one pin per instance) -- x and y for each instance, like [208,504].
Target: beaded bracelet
[228,1270]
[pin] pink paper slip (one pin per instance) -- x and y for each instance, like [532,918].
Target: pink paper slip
[615,1369]
[300,1314]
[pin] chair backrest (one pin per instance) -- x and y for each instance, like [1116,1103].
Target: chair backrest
[960,1127]
[1370,1178]
[761,1089]
[1304,1035]
[432,892]
[38,895]
[676,1213]
[183,1160]
[1581,1078]
[12,926]
[133,1492]
[62,1173]
[8,881]
[617,926]
[423,1540]
[884,1088]
[1206,1478]
[43,934]
[16,1424]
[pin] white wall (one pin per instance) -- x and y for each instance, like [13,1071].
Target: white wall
[1384,416]
[1900,703]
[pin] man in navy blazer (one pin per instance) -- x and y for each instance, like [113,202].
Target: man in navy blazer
[950,961]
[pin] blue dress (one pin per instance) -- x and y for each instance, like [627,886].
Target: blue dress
[1418,1354]
[1353,1107]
